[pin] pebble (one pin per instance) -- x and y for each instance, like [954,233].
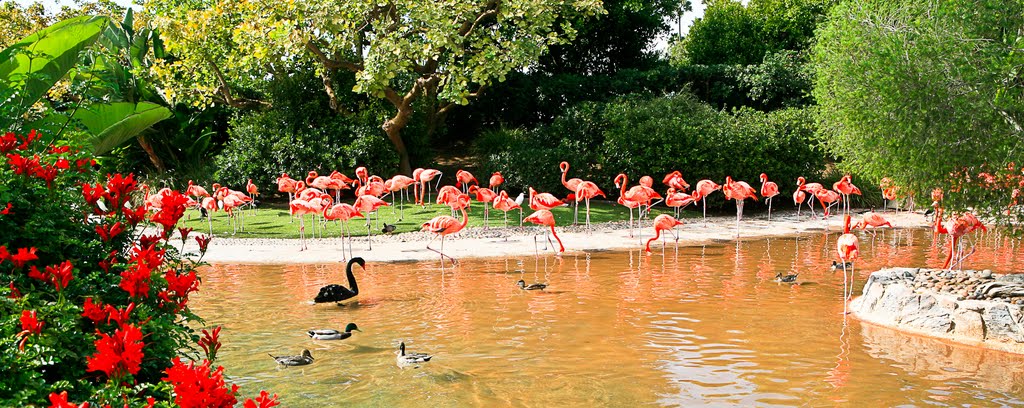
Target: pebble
[961,284]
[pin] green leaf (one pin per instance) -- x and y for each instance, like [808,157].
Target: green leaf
[114,123]
[33,65]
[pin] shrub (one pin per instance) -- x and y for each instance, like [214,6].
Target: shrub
[90,310]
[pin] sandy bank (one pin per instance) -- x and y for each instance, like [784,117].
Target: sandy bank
[496,242]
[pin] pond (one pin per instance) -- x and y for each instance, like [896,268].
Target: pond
[697,325]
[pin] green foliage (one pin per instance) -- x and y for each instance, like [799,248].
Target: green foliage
[928,94]
[654,136]
[112,124]
[781,80]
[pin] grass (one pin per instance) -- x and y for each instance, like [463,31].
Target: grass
[273,221]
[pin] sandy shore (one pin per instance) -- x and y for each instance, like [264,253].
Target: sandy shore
[496,242]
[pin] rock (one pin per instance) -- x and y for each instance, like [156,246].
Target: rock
[1002,323]
[1012,278]
[968,323]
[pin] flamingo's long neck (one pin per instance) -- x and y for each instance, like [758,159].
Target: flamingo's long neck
[565,170]
[560,247]
[465,218]
[622,191]
[657,234]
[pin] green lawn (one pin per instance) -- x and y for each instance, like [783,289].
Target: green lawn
[273,221]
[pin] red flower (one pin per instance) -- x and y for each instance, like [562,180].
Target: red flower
[183,232]
[15,293]
[7,210]
[119,316]
[135,280]
[147,254]
[60,275]
[94,311]
[134,216]
[83,165]
[92,194]
[30,323]
[265,400]
[34,273]
[23,255]
[106,263]
[47,173]
[179,286]
[196,386]
[118,355]
[23,165]
[172,208]
[119,187]
[149,241]
[107,232]
[8,142]
[204,241]
[58,149]
[210,342]
[61,401]
[4,255]
[27,139]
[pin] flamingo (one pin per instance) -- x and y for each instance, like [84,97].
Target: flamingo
[826,196]
[768,190]
[544,217]
[544,201]
[625,200]
[675,180]
[937,196]
[462,180]
[254,192]
[885,185]
[677,199]
[340,182]
[362,175]
[367,204]
[484,195]
[642,193]
[400,184]
[663,222]
[210,205]
[286,184]
[496,180]
[587,190]
[342,212]
[812,188]
[846,247]
[798,200]
[845,187]
[505,204]
[300,207]
[571,185]
[443,225]
[963,225]
[739,191]
[317,181]
[647,181]
[700,193]
[424,176]
[873,220]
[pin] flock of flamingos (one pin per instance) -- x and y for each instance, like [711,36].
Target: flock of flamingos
[310,197]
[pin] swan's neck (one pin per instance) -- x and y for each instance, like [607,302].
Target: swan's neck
[351,279]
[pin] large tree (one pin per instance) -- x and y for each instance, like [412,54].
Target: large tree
[928,93]
[400,50]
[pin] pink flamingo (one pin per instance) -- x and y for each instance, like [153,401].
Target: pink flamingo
[963,225]
[571,185]
[424,176]
[847,248]
[484,195]
[812,188]
[286,184]
[845,187]
[701,192]
[873,220]
[826,196]
[544,201]
[677,200]
[342,212]
[400,184]
[254,192]
[340,182]
[368,204]
[443,225]
[300,207]
[505,204]
[663,222]
[496,180]
[587,190]
[798,200]
[768,190]
[544,217]
[362,175]
[628,200]
[210,204]
[463,178]
[675,180]
[739,191]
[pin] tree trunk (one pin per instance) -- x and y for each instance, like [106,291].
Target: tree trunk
[159,164]
[393,127]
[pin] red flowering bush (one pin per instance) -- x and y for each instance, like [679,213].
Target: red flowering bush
[93,310]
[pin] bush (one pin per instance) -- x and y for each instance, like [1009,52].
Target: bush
[654,136]
[91,310]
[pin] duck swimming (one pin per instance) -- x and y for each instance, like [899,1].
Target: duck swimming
[304,359]
[785,279]
[839,266]
[533,286]
[411,359]
[331,334]
[337,293]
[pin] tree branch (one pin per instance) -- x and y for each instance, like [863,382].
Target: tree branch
[447,107]
[329,62]
[225,92]
[489,10]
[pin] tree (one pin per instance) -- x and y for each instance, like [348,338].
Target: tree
[400,50]
[727,34]
[927,93]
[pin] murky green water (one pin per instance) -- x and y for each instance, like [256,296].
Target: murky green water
[702,325]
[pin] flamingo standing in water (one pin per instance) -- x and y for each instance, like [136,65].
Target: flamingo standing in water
[424,176]
[963,225]
[845,187]
[812,188]
[486,196]
[768,190]
[663,222]
[342,212]
[873,220]
[571,185]
[443,225]
[739,191]
[847,248]
[827,198]
[544,217]
[496,180]
[798,200]
[586,190]
[677,199]
[462,180]
[886,185]
[700,193]
[505,204]
[399,184]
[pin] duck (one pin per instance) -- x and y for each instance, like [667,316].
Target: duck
[785,279]
[533,286]
[334,293]
[388,228]
[304,359]
[839,266]
[331,334]
[411,359]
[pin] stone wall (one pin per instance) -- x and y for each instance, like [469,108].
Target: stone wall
[971,307]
